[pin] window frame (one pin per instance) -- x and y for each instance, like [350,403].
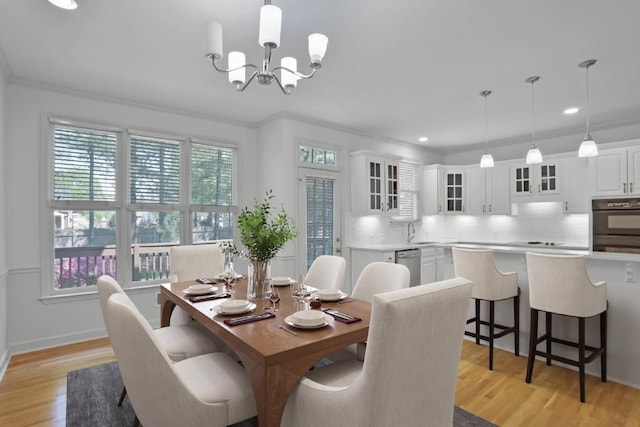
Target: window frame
[121,205]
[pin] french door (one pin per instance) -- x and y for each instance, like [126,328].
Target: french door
[319,216]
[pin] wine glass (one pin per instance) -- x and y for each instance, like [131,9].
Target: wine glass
[274,297]
[229,277]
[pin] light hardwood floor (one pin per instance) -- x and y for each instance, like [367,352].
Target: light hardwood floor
[33,391]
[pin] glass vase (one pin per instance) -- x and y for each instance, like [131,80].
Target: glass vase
[258,275]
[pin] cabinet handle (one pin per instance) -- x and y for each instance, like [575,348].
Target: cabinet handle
[483,211]
[489,208]
[630,187]
[624,187]
[439,208]
[539,188]
[566,206]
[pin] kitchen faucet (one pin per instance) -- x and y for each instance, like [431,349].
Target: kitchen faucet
[411,232]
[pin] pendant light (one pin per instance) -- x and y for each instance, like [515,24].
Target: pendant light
[588,148]
[533,155]
[487,159]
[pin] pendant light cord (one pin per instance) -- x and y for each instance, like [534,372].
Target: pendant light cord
[486,126]
[587,92]
[533,117]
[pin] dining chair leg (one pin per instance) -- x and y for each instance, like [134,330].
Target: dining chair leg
[122,396]
[492,318]
[477,321]
[533,337]
[581,357]
[603,344]
[548,327]
[516,323]
[136,422]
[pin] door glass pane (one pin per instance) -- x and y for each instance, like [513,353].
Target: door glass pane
[320,218]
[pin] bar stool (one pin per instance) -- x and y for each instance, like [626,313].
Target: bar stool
[559,284]
[490,285]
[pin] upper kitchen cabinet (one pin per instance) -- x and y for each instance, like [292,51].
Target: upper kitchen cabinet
[576,196]
[535,182]
[487,190]
[454,191]
[432,189]
[375,184]
[616,172]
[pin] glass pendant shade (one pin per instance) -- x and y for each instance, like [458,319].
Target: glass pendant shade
[317,47]
[270,23]
[289,79]
[65,4]
[236,59]
[213,40]
[588,148]
[486,161]
[534,155]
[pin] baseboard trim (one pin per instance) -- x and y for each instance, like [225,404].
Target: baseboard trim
[57,341]
[4,364]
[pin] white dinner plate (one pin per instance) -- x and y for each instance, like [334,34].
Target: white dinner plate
[291,322]
[200,289]
[282,281]
[221,310]
[339,297]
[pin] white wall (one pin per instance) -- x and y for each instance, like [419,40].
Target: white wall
[34,323]
[4,345]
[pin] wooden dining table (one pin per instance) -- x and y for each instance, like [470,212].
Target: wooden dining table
[274,359]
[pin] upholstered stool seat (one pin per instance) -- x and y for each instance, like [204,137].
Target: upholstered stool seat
[490,285]
[559,284]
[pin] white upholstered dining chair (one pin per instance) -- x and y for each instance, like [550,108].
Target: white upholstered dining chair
[326,272]
[179,342]
[191,262]
[209,389]
[409,375]
[375,278]
[491,285]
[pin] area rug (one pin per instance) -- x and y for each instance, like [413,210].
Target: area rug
[93,393]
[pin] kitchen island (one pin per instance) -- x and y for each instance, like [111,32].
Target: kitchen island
[621,271]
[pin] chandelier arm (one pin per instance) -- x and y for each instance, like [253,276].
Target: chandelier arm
[240,87]
[228,70]
[296,73]
[285,90]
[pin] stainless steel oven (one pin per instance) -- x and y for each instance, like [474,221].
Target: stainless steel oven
[616,225]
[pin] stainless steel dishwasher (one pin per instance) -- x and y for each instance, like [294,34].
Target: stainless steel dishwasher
[411,259]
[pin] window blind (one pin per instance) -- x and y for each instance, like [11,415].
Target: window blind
[409,190]
[84,163]
[154,170]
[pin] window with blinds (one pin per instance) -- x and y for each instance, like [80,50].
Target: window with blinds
[211,175]
[409,191]
[154,170]
[84,164]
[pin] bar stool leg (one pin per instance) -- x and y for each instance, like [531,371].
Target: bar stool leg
[492,315]
[548,328]
[603,344]
[477,321]
[533,337]
[516,315]
[581,350]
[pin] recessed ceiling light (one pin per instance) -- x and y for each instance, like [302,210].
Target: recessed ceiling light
[571,110]
[65,4]
[423,139]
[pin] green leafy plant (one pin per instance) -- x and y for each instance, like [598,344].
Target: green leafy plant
[262,232]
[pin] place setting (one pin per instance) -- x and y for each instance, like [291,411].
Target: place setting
[330,295]
[308,319]
[204,292]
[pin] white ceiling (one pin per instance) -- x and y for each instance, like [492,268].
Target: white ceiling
[394,69]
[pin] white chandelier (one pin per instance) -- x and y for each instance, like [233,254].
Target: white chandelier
[269,38]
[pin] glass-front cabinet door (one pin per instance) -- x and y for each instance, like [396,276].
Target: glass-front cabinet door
[454,191]
[392,186]
[522,182]
[548,183]
[375,186]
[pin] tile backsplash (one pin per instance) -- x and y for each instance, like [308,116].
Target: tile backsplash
[530,222]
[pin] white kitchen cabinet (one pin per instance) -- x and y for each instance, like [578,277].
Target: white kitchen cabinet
[576,196]
[454,191]
[374,184]
[360,258]
[538,182]
[432,264]
[487,190]
[616,172]
[432,190]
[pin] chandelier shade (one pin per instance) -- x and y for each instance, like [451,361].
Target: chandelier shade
[269,38]
[588,147]
[65,4]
